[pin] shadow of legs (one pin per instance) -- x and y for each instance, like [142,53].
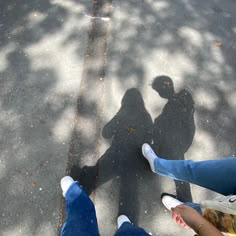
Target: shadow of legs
[183,191]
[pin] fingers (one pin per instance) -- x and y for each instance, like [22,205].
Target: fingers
[180,207]
[176,215]
[177,209]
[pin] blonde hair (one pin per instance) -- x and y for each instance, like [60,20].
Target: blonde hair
[207,215]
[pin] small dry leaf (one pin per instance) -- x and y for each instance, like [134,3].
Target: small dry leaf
[131,130]
[218,44]
[33,184]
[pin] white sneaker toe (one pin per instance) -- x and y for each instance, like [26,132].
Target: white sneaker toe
[66,182]
[170,201]
[122,219]
[149,154]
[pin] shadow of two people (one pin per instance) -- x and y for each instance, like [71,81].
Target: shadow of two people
[172,134]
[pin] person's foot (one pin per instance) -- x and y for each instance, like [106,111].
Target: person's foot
[149,154]
[170,201]
[66,182]
[122,219]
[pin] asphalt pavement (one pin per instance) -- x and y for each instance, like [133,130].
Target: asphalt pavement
[76,98]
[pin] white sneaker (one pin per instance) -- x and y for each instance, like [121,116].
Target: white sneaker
[226,204]
[149,154]
[66,182]
[169,201]
[122,219]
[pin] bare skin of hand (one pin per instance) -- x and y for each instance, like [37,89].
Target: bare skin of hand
[187,217]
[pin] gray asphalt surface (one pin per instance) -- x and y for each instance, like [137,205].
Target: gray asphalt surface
[65,67]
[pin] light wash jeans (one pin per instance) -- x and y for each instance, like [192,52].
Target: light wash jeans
[81,216]
[216,175]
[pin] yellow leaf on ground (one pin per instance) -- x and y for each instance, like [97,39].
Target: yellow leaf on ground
[131,130]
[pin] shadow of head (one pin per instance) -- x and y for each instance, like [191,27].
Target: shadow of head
[132,99]
[164,86]
[130,124]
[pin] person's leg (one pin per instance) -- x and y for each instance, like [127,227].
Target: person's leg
[183,191]
[217,175]
[125,228]
[80,213]
[128,229]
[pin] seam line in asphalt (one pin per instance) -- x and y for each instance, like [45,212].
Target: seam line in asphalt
[92,81]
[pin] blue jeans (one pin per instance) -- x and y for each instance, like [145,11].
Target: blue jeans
[127,229]
[216,175]
[81,216]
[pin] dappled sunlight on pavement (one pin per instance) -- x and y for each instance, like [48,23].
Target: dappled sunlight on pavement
[65,67]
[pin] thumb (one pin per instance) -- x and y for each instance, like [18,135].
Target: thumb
[178,218]
[175,213]
[176,210]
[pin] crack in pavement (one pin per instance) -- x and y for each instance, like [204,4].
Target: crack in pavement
[91,95]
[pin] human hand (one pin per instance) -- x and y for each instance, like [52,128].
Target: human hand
[186,216]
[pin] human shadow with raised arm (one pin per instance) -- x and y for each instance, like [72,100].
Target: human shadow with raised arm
[174,128]
[128,130]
